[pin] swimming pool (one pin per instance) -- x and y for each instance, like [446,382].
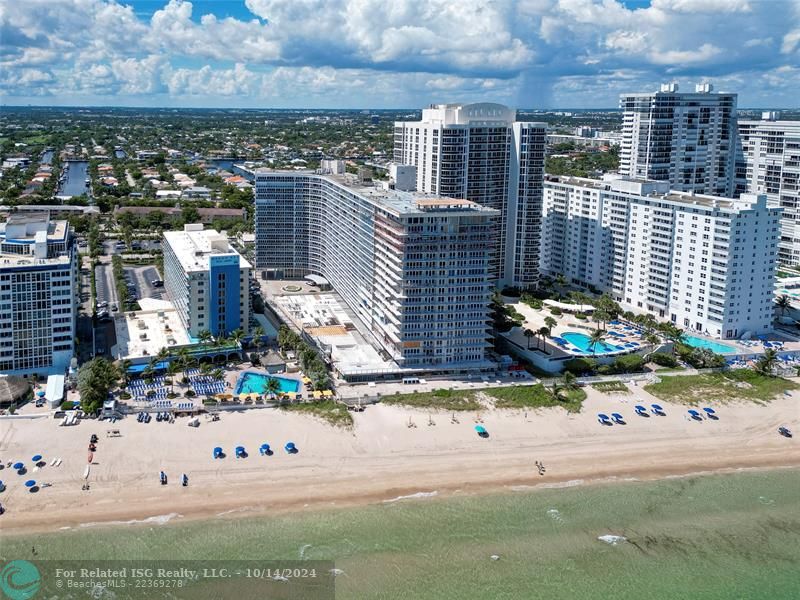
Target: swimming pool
[697,342]
[582,342]
[251,382]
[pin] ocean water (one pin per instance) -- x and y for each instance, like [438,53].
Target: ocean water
[707,537]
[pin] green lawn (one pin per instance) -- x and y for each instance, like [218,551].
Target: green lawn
[437,399]
[739,384]
[610,387]
[534,396]
[334,413]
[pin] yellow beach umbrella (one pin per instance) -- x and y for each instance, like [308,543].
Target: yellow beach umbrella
[292,395]
[317,394]
[243,396]
[306,379]
[327,393]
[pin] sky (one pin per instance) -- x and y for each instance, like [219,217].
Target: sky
[393,53]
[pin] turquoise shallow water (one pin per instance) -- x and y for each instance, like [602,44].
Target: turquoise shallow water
[713,537]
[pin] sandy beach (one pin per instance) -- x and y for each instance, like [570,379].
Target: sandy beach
[381,459]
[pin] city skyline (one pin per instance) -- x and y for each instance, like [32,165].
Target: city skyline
[273,54]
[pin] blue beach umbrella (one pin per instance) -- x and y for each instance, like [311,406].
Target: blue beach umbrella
[710,411]
[18,466]
[36,458]
[30,483]
[40,393]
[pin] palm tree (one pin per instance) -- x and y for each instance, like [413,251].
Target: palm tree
[205,369]
[218,374]
[652,338]
[783,302]
[205,336]
[173,368]
[569,381]
[550,322]
[598,335]
[271,386]
[184,359]
[543,332]
[766,363]
[601,316]
[163,354]
[561,281]
[258,333]
[124,365]
[528,333]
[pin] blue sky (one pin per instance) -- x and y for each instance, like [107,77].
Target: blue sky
[404,53]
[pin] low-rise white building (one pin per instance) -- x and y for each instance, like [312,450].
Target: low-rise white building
[38,289]
[703,262]
[206,280]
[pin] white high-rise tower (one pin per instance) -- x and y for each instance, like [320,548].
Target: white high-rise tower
[482,153]
[687,139]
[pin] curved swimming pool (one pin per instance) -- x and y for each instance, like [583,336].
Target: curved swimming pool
[583,343]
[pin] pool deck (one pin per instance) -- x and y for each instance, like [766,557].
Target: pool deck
[534,319]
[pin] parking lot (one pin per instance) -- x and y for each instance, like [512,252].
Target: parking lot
[139,280]
[106,291]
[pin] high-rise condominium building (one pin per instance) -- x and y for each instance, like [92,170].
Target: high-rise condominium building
[415,269]
[207,281]
[705,263]
[687,139]
[38,290]
[481,153]
[769,163]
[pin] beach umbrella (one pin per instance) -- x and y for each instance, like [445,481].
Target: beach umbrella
[36,458]
[18,466]
[30,483]
[602,416]
[710,411]
[640,409]
[40,393]
[290,447]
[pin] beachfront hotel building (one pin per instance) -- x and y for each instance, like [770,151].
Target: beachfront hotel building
[705,263]
[769,163]
[414,268]
[38,295]
[480,152]
[206,280]
[686,139]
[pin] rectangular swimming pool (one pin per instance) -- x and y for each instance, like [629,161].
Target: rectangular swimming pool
[583,343]
[697,342]
[251,382]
